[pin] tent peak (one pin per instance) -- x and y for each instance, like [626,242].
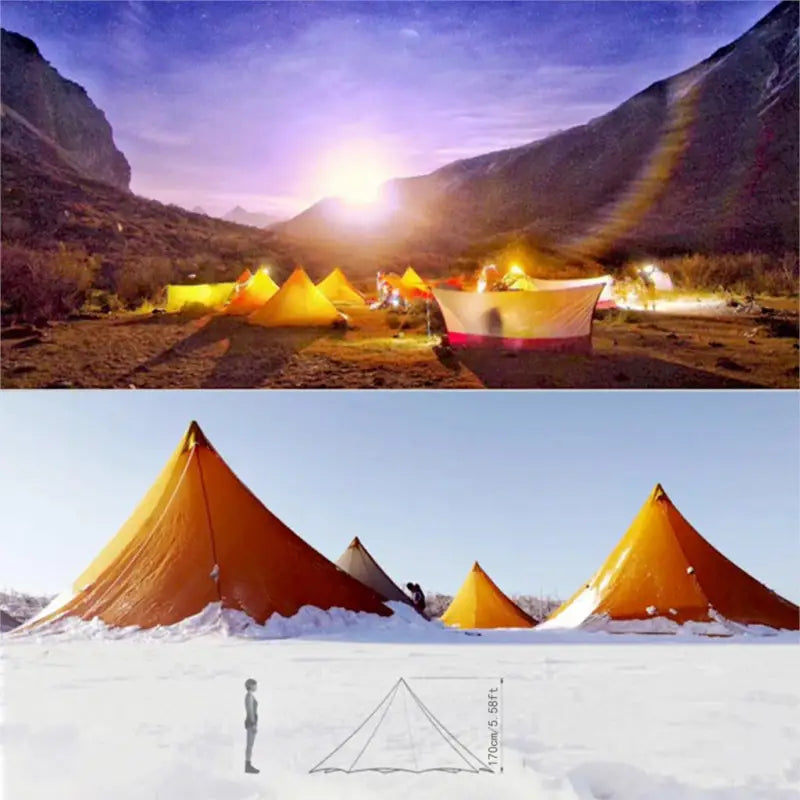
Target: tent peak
[659,493]
[356,542]
[195,436]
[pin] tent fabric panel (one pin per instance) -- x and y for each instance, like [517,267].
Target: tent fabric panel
[572,344]
[264,566]
[163,574]
[557,314]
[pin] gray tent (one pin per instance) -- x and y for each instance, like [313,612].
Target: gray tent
[358,563]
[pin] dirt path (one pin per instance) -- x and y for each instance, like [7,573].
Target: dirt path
[631,350]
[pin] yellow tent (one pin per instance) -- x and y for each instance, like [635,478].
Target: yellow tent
[339,290]
[210,295]
[297,303]
[413,281]
[480,604]
[663,568]
[252,294]
[200,537]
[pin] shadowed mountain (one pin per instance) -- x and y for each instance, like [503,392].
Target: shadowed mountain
[65,183]
[255,219]
[52,120]
[706,160]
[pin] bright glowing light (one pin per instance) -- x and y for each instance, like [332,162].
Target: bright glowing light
[482,284]
[355,173]
[516,269]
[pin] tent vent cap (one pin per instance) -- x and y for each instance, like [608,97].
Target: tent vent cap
[690,570]
[214,575]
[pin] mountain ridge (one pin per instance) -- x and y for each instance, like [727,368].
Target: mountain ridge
[705,128]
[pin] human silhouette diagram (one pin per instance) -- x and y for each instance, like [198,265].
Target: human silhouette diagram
[250,723]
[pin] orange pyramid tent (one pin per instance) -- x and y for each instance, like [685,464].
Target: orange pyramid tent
[339,290]
[662,567]
[244,276]
[358,562]
[411,279]
[480,604]
[297,303]
[252,294]
[199,537]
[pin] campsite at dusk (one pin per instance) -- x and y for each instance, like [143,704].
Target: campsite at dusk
[400,195]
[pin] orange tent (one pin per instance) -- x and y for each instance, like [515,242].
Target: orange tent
[244,276]
[200,536]
[358,562]
[662,567]
[252,295]
[297,303]
[339,290]
[480,604]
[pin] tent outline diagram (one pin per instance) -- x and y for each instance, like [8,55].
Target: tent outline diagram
[383,738]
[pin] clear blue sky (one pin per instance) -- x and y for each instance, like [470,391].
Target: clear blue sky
[218,104]
[537,486]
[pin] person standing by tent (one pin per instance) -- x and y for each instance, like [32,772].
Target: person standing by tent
[250,723]
[417,596]
[648,281]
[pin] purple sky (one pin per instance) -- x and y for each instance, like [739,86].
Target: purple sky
[265,105]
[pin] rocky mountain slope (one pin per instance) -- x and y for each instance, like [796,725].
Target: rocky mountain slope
[706,161]
[51,119]
[64,184]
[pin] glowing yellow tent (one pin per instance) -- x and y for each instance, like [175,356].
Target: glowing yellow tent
[252,295]
[200,537]
[339,290]
[412,280]
[663,568]
[298,303]
[480,604]
[210,295]
[358,562]
[560,319]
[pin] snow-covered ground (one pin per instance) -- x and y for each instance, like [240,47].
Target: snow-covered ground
[584,716]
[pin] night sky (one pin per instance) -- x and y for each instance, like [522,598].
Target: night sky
[274,105]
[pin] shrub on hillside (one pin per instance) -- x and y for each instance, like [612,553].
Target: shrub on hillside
[139,279]
[745,273]
[41,286]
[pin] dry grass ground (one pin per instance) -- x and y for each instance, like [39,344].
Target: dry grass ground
[631,350]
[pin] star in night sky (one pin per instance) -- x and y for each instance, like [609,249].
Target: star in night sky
[273,106]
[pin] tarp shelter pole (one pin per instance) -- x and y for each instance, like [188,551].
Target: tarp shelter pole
[428,315]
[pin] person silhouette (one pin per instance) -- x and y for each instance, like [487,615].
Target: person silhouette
[250,723]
